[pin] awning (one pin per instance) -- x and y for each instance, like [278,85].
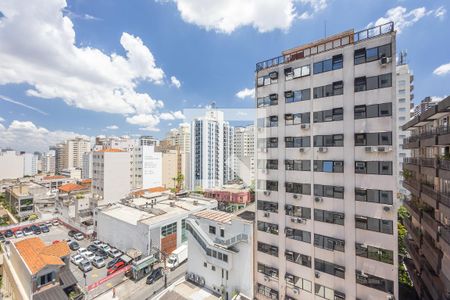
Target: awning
[55,293]
[67,279]
[143,263]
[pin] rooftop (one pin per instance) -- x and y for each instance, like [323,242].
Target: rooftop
[111,150]
[158,189]
[54,177]
[215,215]
[37,255]
[71,187]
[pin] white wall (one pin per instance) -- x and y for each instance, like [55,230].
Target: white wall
[11,165]
[116,174]
[151,167]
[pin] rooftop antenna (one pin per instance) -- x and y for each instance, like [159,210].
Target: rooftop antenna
[402,58]
[325,28]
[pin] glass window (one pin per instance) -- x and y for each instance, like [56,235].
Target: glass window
[360,84]
[360,56]
[372,83]
[385,80]
[372,111]
[318,67]
[360,112]
[338,61]
[327,65]
[338,88]
[318,92]
[385,51]
[372,54]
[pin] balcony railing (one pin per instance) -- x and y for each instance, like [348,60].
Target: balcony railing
[428,162]
[444,164]
[432,254]
[413,210]
[444,233]
[428,133]
[413,231]
[430,223]
[411,160]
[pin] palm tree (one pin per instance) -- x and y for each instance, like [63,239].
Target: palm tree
[179,179]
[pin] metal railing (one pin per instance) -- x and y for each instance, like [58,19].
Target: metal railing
[242,237]
[411,160]
[373,32]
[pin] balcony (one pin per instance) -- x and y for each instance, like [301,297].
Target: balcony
[444,204]
[411,163]
[429,196]
[428,138]
[430,224]
[412,185]
[429,166]
[413,210]
[433,285]
[414,275]
[432,254]
[444,238]
[412,142]
[444,169]
[444,135]
[413,231]
[413,252]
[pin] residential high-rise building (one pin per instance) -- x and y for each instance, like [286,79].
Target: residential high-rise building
[170,168]
[86,170]
[424,105]
[326,209]
[73,152]
[211,151]
[30,164]
[404,89]
[244,153]
[111,174]
[48,162]
[11,165]
[427,177]
[59,157]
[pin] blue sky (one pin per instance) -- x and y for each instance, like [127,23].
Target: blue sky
[101,67]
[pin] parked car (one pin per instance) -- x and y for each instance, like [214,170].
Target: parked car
[78,236]
[34,227]
[101,253]
[98,262]
[27,231]
[113,252]
[9,233]
[85,265]
[48,223]
[92,248]
[104,247]
[154,275]
[119,265]
[44,228]
[37,231]
[82,251]
[74,246]
[76,259]
[2,237]
[89,255]
[97,243]
[55,223]
[113,262]
[19,234]
[71,233]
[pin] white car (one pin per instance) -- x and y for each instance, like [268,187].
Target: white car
[113,253]
[89,255]
[18,234]
[78,236]
[98,262]
[105,247]
[81,251]
[55,223]
[76,259]
[97,243]
[48,223]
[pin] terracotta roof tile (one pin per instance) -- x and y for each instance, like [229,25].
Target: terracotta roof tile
[70,187]
[158,189]
[111,150]
[54,177]
[37,255]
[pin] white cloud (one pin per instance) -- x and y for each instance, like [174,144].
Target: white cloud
[148,121]
[175,82]
[442,70]
[7,99]
[440,13]
[2,120]
[112,127]
[401,17]
[246,93]
[42,52]
[26,136]
[172,115]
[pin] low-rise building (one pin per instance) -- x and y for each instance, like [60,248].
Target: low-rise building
[221,251]
[33,270]
[74,203]
[74,173]
[230,198]
[20,200]
[148,221]
[54,182]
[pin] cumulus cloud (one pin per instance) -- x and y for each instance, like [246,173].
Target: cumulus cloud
[175,82]
[440,13]
[42,52]
[2,120]
[149,122]
[172,115]
[228,15]
[26,136]
[112,127]
[442,70]
[246,93]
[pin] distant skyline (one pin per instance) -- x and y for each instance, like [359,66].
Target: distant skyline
[103,67]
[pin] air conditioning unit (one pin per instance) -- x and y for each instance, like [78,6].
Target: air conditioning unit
[384,149]
[317,274]
[385,60]
[296,196]
[267,193]
[363,274]
[387,208]
[296,291]
[318,199]
[304,126]
[323,149]
[301,149]
[298,220]
[266,278]
[369,149]
[266,214]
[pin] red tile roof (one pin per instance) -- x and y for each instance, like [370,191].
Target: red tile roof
[70,187]
[158,189]
[111,150]
[54,177]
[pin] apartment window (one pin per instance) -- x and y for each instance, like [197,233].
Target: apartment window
[329,268]
[268,227]
[371,54]
[272,77]
[297,165]
[374,196]
[268,142]
[327,293]
[271,121]
[335,63]
[297,211]
[329,166]
[47,278]
[298,282]
[335,114]
[379,254]
[329,243]
[373,111]
[373,139]
[298,258]
[268,271]
[373,224]
[402,100]
[381,284]
[270,100]
[374,82]
[295,119]
[222,232]
[291,73]
[266,291]
[333,140]
[297,234]
[373,167]
[212,229]
[205,265]
[267,206]
[269,164]
[169,229]
[329,216]
[296,96]
[329,191]
[297,142]
[334,89]
[268,249]
[298,188]
[268,185]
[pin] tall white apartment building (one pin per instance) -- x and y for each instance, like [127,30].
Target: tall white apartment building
[30,161]
[59,157]
[244,153]
[404,88]
[111,174]
[73,152]
[11,165]
[48,162]
[326,209]
[211,151]
[86,170]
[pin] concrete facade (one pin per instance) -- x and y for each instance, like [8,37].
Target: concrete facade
[244,154]
[11,165]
